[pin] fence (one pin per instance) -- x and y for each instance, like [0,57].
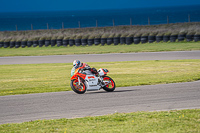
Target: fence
[113,23]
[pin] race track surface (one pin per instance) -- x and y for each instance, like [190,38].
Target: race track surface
[101,57]
[55,105]
[21,108]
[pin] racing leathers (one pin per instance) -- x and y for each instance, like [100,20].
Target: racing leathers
[86,68]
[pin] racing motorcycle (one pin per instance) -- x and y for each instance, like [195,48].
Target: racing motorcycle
[82,82]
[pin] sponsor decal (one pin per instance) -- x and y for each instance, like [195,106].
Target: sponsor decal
[91,77]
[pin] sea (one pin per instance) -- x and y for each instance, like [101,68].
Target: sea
[98,18]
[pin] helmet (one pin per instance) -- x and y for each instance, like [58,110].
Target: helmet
[76,64]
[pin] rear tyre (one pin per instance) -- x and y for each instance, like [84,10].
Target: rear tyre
[80,89]
[109,87]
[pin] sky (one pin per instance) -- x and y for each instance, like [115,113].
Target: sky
[62,5]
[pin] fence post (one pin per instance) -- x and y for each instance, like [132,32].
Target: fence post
[167,19]
[31,26]
[148,21]
[189,18]
[113,22]
[130,21]
[47,26]
[79,24]
[96,23]
[62,25]
[16,28]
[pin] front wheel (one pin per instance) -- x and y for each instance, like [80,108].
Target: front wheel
[109,84]
[80,89]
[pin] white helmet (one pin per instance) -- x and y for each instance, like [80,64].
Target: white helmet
[76,64]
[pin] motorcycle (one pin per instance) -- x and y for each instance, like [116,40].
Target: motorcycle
[82,82]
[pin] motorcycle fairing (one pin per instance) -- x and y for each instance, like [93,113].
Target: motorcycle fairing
[92,83]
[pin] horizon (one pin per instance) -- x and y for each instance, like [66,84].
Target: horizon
[12,6]
[102,9]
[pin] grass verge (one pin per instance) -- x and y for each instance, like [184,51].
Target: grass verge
[148,47]
[39,78]
[164,121]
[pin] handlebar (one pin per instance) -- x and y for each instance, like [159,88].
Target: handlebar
[80,70]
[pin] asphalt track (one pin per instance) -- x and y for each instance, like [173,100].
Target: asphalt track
[21,108]
[101,57]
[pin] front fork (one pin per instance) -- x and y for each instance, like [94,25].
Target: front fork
[79,81]
[79,84]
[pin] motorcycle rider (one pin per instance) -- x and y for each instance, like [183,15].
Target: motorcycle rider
[78,65]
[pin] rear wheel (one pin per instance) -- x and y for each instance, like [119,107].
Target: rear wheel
[80,89]
[109,84]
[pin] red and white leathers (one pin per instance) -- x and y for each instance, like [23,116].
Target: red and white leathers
[82,66]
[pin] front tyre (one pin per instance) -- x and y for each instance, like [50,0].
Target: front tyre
[80,89]
[109,84]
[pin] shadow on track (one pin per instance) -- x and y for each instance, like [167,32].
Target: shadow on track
[115,91]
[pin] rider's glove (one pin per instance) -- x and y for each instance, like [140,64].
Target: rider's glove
[86,68]
[94,69]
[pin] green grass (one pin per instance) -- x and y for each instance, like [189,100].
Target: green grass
[148,47]
[39,78]
[180,121]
